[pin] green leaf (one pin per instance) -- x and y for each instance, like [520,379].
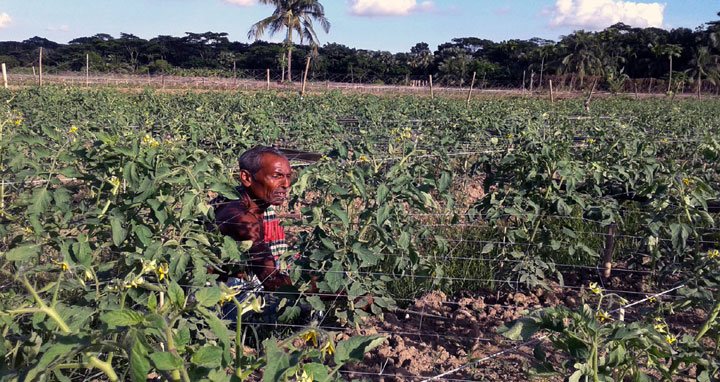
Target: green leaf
[176,295]
[337,210]
[39,201]
[207,356]
[317,371]
[277,361]
[166,361]
[444,182]
[404,240]
[521,329]
[121,318]
[119,233]
[208,296]
[139,362]
[367,257]
[382,193]
[220,331]
[23,252]
[152,301]
[354,348]
[382,214]
[316,303]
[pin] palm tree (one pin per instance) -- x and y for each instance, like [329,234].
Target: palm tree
[292,15]
[670,50]
[704,64]
[582,57]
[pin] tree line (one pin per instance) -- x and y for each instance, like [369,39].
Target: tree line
[675,58]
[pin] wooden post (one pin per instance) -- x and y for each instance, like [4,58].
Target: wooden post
[163,81]
[587,101]
[267,86]
[432,92]
[34,74]
[307,67]
[87,69]
[472,83]
[234,71]
[609,246]
[523,87]
[552,99]
[4,75]
[40,65]
[532,79]
[636,91]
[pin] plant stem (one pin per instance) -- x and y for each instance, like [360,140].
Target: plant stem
[711,318]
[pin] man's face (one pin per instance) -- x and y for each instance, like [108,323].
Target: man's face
[271,184]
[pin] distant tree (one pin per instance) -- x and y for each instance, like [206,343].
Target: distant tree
[455,66]
[420,57]
[581,58]
[669,50]
[704,65]
[292,15]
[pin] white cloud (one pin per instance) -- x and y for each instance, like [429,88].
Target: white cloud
[5,20]
[599,14]
[242,3]
[372,8]
[58,28]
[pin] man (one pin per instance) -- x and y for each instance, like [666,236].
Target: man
[265,176]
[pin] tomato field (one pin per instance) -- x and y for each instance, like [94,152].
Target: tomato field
[107,239]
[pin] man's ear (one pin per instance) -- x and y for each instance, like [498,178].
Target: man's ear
[245,178]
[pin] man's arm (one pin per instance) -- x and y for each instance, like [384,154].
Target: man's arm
[241,225]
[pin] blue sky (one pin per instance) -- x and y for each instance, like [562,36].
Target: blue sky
[393,25]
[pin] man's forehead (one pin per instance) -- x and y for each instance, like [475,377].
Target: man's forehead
[272,162]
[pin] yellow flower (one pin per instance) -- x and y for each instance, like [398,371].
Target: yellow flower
[652,299]
[328,348]
[64,266]
[161,271]
[363,158]
[595,288]
[664,140]
[590,141]
[306,377]
[89,275]
[311,335]
[660,328]
[73,130]
[687,181]
[602,316]
[669,338]
[713,254]
[511,136]
[546,116]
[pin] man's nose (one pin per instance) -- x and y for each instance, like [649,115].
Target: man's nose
[287,182]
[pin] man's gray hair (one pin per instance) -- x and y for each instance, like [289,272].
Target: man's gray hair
[251,160]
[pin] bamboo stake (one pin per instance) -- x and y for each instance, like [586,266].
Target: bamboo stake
[87,70]
[636,89]
[432,92]
[267,86]
[40,65]
[552,99]
[587,101]
[609,247]
[4,75]
[532,79]
[472,83]
[307,67]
